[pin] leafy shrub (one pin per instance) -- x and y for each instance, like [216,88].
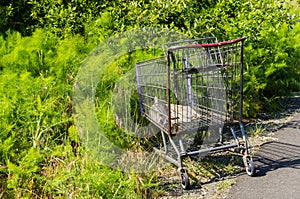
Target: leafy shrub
[272,69]
[40,152]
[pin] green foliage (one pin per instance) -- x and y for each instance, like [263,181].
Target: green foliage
[40,152]
[26,54]
[64,17]
[274,69]
[107,108]
[44,43]
[15,15]
[264,23]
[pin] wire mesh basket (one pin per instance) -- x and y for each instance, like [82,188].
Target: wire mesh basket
[196,86]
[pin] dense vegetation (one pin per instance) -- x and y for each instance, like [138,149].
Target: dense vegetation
[43,44]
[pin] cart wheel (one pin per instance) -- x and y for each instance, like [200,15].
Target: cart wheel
[185,182]
[250,167]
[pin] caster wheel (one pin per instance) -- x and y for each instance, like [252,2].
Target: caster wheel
[250,167]
[185,182]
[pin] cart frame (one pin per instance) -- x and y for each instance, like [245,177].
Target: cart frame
[193,77]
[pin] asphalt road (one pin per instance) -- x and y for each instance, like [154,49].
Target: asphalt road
[278,168]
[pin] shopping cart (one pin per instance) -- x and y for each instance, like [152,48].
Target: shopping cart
[194,95]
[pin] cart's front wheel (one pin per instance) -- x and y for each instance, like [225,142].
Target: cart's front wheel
[250,167]
[185,182]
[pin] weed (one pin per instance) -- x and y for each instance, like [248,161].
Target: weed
[258,129]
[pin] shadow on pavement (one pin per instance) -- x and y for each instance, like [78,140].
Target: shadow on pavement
[292,124]
[275,155]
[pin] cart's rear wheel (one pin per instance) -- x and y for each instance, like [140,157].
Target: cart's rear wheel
[250,167]
[185,182]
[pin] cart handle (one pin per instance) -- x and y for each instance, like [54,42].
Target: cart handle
[216,44]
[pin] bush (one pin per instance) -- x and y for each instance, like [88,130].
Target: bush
[272,69]
[40,152]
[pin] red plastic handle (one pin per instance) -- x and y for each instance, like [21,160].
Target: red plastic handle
[216,44]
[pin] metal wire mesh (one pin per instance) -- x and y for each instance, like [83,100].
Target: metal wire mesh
[195,86]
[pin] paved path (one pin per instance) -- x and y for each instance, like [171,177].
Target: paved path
[278,168]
